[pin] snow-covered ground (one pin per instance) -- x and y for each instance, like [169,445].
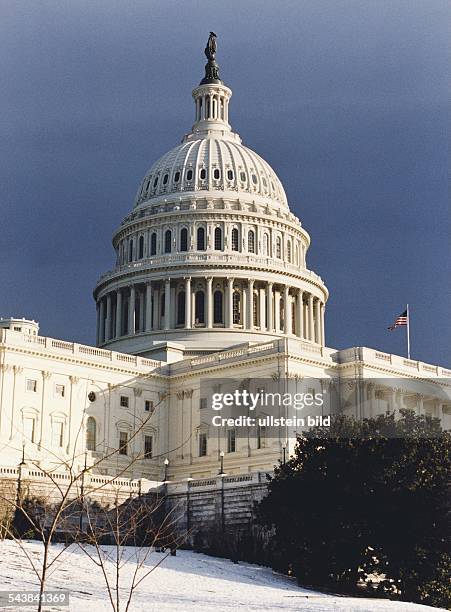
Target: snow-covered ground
[186,583]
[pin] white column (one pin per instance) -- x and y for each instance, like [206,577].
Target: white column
[262,308]
[269,301]
[277,310]
[250,304]
[118,313]
[323,335]
[188,303]
[287,308]
[131,311]
[141,310]
[102,322]
[148,306]
[300,314]
[229,303]
[167,303]
[317,321]
[156,308]
[311,330]
[108,317]
[209,303]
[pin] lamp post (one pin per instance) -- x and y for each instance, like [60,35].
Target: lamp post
[284,448]
[166,463]
[188,508]
[221,457]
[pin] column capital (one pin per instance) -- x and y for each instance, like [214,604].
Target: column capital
[46,375]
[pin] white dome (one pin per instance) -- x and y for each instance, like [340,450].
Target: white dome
[212,163]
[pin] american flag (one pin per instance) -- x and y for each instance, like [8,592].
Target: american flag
[401,320]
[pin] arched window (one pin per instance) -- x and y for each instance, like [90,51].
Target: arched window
[153,244]
[203,174]
[130,250]
[181,308]
[217,307]
[200,239]
[200,307]
[189,175]
[167,241]
[236,308]
[141,247]
[266,244]
[289,251]
[91,433]
[251,241]
[184,239]
[235,239]
[278,247]
[218,239]
[216,173]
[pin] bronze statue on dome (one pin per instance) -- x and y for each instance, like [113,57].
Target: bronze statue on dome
[210,49]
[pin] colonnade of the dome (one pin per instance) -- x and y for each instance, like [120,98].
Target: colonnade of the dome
[209,303]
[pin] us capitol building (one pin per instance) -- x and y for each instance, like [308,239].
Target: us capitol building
[210,282]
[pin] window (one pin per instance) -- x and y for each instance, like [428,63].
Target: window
[203,174]
[203,403]
[148,447]
[236,308]
[130,250]
[31,385]
[123,443]
[29,426]
[57,434]
[17,329]
[235,239]
[59,390]
[202,445]
[91,433]
[254,179]
[153,244]
[181,300]
[184,239]
[148,406]
[217,307]
[189,175]
[167,241]
[176,177]
[200,310]
[230,175]
[251,241]
[200,239]
[261,434]
[165,179]
[155,183]
[266,244]
[124,401]
[218,239]
[255,312]
[141,247]
[278,247]
[216,173]
[231,441]
[289,251]
[243,177]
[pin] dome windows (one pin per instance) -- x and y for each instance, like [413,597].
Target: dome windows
[218,316]
[184,239]
[141,247]
[203,174]
[177,177]
[278,247]
[153,244]
[265,184]
[230,175]
[235,240]
[200,239]
[168,241]
[251,241]
[216,174]
[254,179]
[218,239]
[200,307]
[155,182]
[189,175]
[243,177]
[165,179]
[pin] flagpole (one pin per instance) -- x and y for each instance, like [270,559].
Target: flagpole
[408,332]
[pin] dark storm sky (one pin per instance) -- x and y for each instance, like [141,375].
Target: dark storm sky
[348,101]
